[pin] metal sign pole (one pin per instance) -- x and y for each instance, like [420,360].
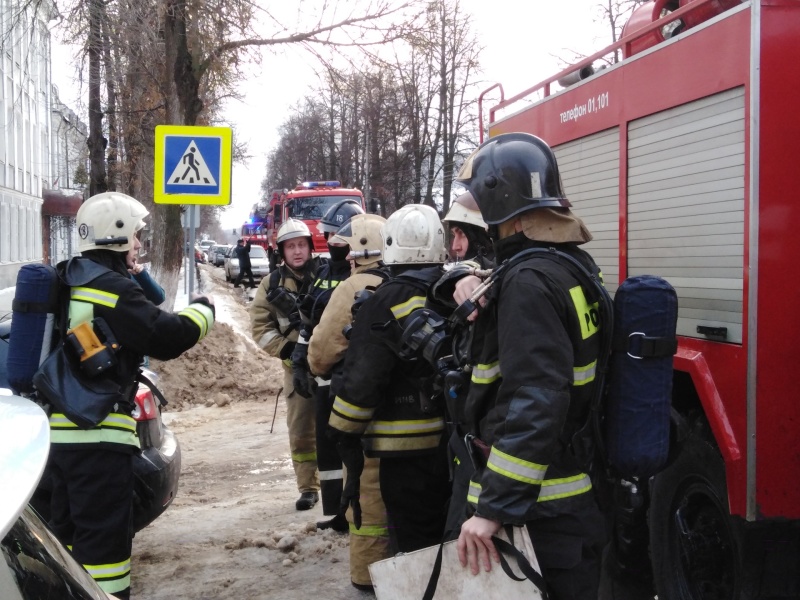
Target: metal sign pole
[185,260]
[192,258]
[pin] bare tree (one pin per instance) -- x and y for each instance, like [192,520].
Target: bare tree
[410,114]
[615,13]
[458,62]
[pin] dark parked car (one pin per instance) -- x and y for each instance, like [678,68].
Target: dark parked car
[156,469]
[218,255]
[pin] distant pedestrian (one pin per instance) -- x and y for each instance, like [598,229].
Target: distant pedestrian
[243,254]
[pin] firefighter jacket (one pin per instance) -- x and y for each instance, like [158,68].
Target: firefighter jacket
[384,399]
[276,330]
[531,388]
[328,344]
[330,274]
[140,329]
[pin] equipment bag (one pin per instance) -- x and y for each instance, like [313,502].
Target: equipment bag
[35,311]
[518,575]
[637,411]
[84,400]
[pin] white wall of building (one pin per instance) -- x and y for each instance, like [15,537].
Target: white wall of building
[41,140]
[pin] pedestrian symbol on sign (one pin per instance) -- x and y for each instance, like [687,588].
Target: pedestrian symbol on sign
[192,169]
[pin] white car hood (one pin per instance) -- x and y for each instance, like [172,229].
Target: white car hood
[24,445]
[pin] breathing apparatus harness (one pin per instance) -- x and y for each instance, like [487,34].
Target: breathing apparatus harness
[427,335]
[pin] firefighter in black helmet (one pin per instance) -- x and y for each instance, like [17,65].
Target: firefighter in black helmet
[533,379]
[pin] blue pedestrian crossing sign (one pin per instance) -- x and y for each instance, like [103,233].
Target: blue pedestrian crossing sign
[192,165]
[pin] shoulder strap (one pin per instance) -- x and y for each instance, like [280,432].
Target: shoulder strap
[142,378]
[422,278]
[596,292]
[274,279]
[503,548]
[382,273]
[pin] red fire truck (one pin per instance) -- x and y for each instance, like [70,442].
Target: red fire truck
[682,160]
[259,222]
[307,202]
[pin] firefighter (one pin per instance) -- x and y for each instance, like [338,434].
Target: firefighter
[362,237]
[91,469]
[468,232]
[470,248]
[274,324]
[330,274]
[385,402]
[532,384]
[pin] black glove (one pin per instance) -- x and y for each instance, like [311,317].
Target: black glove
[286,350]
[352,454]
[295,322]
[300,375]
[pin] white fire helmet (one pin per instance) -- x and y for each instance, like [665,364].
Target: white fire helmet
[465,210]
[363,234]
[293,228]
[109,221]
[414,235]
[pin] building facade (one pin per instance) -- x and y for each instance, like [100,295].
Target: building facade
[40,145]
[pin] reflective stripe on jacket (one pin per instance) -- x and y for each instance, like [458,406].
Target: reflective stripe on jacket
[269,328]
[101,287]
[381,395]
[530,391]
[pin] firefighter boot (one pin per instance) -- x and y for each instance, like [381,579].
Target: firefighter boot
[306,501]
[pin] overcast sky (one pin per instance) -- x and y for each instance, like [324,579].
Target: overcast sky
[521,42]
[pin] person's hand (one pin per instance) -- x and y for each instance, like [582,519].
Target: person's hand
[352,454]
[475,545]
[464,290]
[135,268]
[300,376]
[195,297]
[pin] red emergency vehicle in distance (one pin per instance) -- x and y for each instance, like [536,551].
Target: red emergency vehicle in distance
[682,159]
[258,224]
[307,202]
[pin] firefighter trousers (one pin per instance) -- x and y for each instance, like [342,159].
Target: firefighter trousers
[415,490]
[300,419]
[91,511]
[328,461]
[370,542]
[569,548]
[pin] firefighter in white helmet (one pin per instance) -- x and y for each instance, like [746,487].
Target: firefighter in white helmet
[384,407]
[362,237]
[91,470]
[469,237]
[274,324]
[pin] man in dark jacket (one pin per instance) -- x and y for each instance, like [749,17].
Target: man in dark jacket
[534,379]
[91,469]
[242,251]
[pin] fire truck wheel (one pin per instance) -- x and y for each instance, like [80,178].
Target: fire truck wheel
[694,544]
